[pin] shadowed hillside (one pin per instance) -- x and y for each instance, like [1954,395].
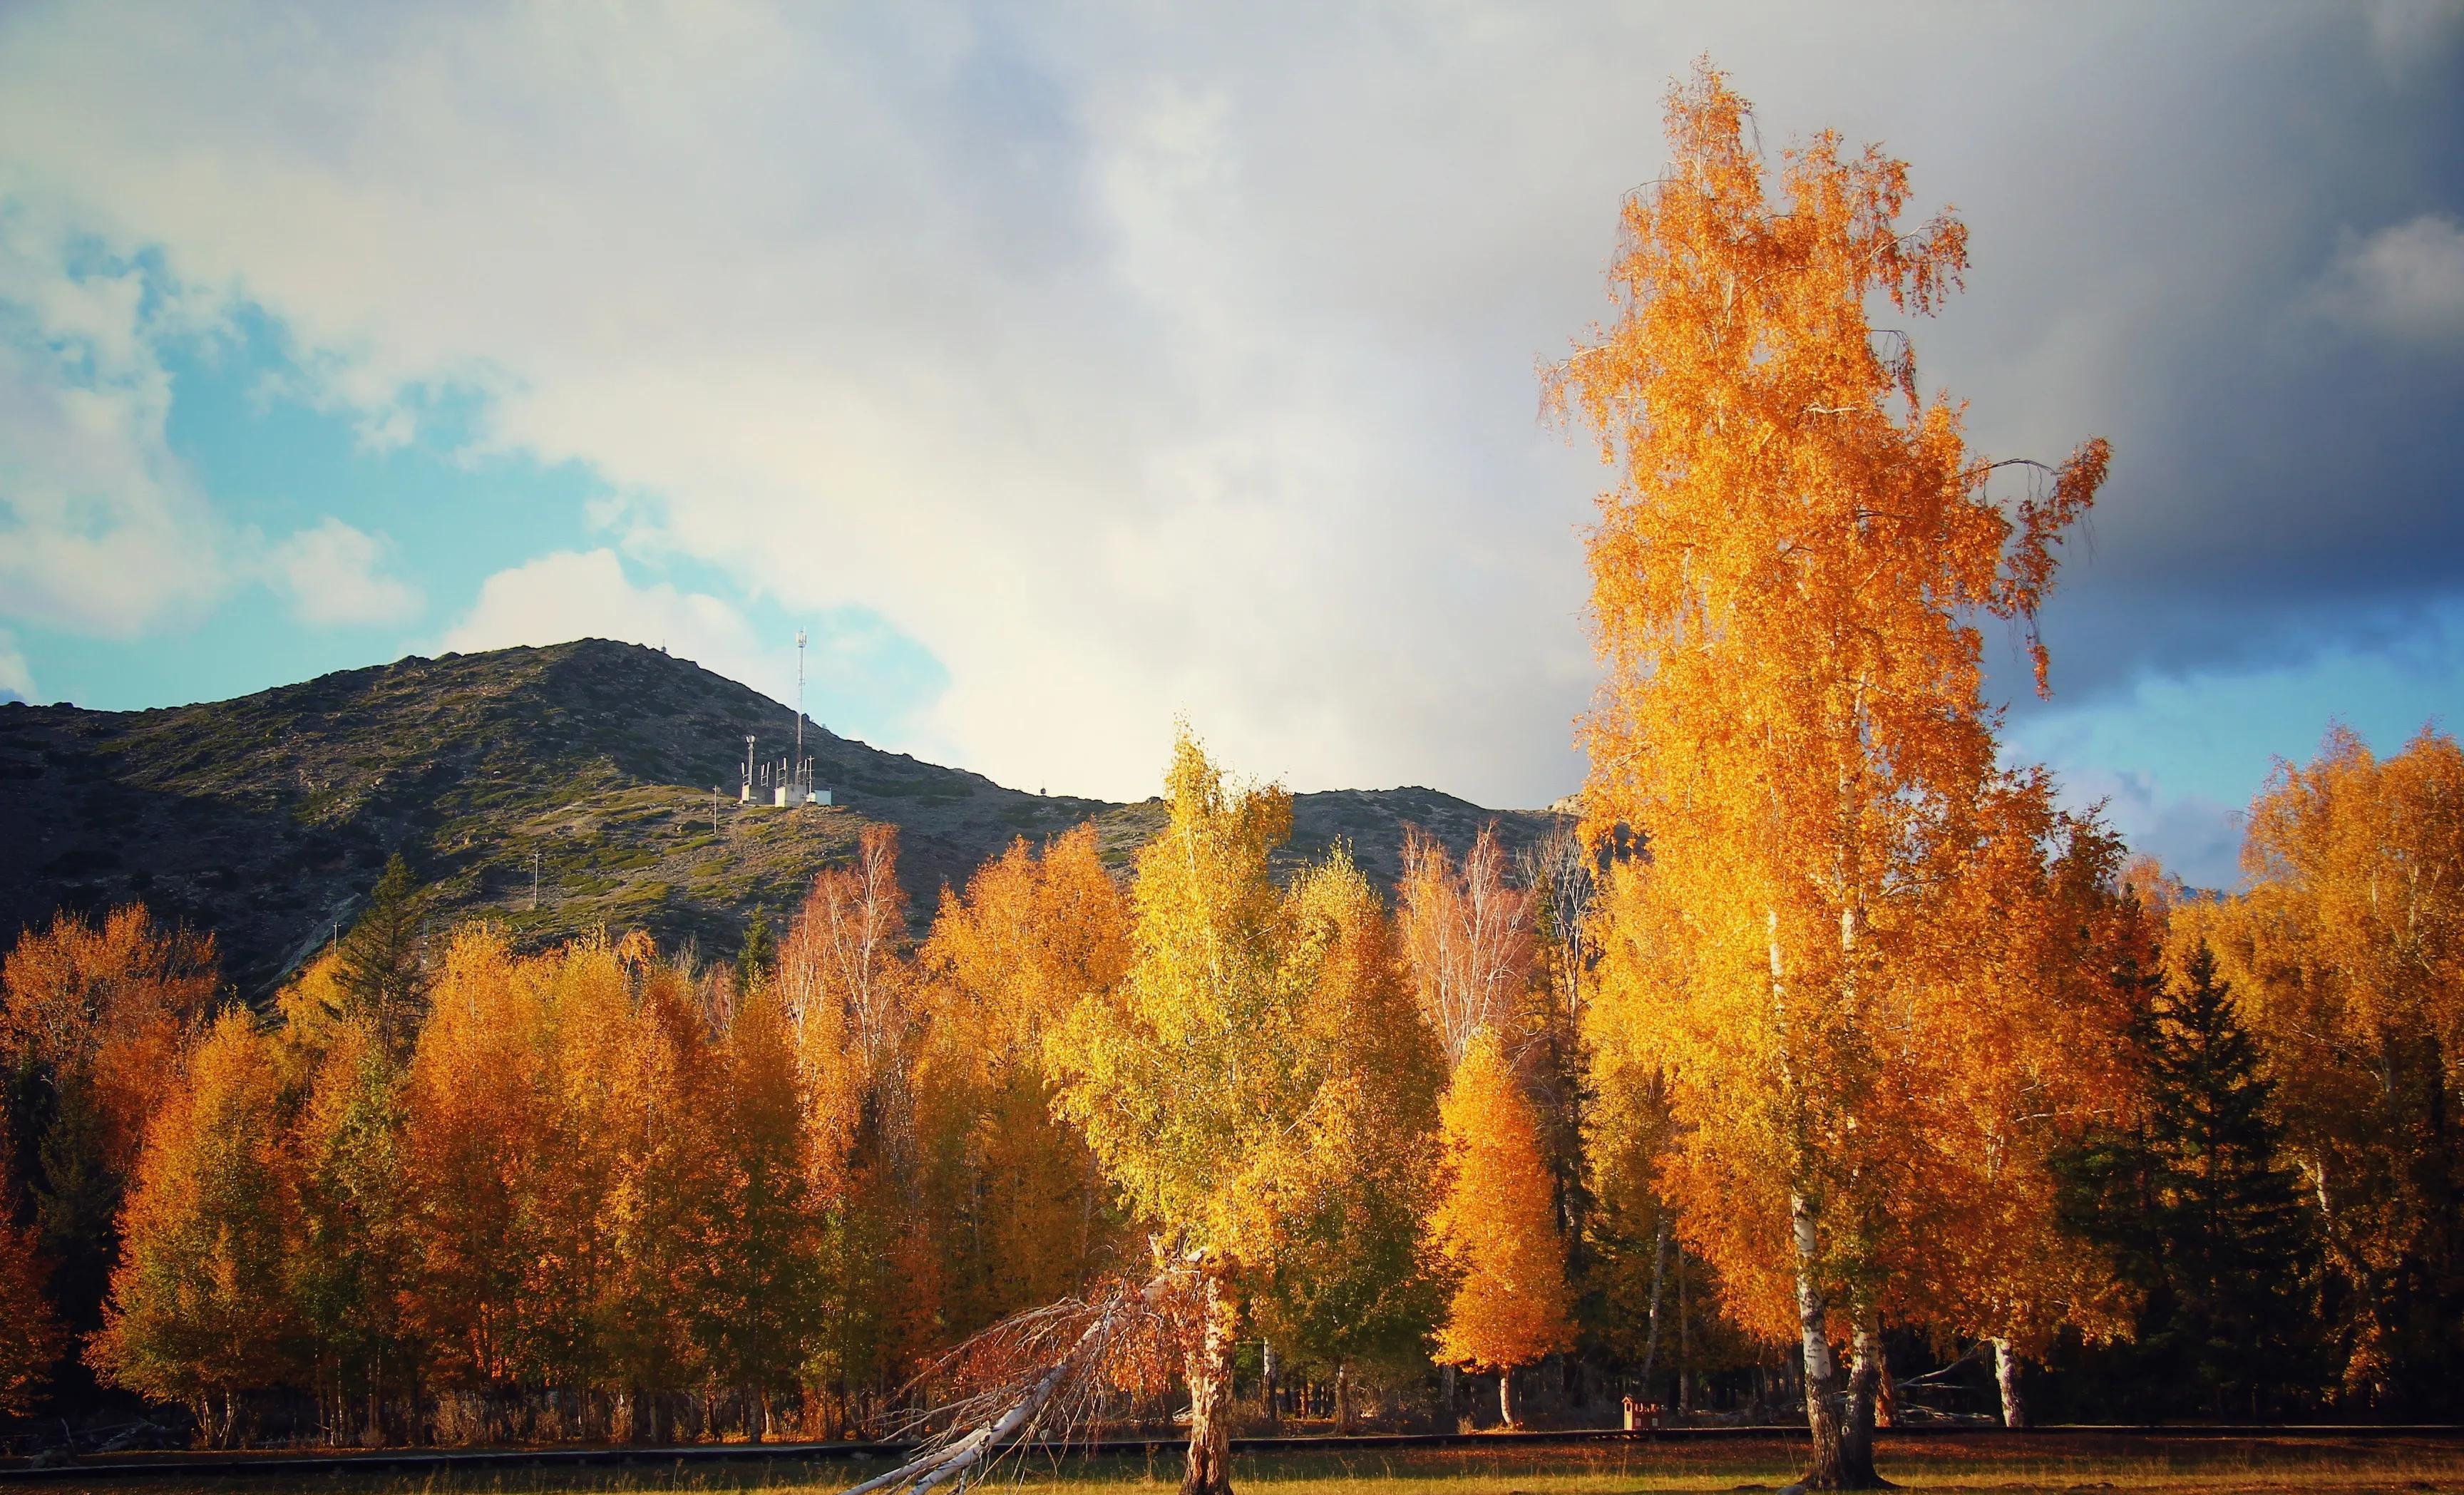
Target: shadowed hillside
[264,818]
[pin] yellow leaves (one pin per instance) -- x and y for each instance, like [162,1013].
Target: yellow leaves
[1786,581]
[1017,1192]
[1496,1224]
[1199,1085]
[111,1006]
[198,1305]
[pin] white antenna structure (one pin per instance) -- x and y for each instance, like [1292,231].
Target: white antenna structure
[804,776]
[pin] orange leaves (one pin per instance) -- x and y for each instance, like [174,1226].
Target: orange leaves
[1019,1198]
[2346,959]
[1496,1224]
[1787,578]
[847,994]
[199,1308]
[112,1006]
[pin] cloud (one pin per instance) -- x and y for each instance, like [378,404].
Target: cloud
[332,574]
[2198,839]
[1136,361]
[585,594]
[2404,282]
[16,679]
[102,529]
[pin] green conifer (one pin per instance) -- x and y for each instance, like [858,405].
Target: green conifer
[2199,1209]
[381,974]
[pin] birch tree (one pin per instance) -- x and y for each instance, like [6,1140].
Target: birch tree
[1196,1084]
[1787,580]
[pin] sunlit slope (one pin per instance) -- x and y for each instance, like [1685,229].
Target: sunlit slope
[264,818]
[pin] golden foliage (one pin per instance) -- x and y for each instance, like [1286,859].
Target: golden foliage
[1469,937]
[112,1008]
[1019,1200]
[1496,1224]
[198,1308]
[1786,583]
[1190,1082]
[2346,956]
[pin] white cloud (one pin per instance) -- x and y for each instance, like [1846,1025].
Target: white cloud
[2405,281]
[1130,361]
[16,679]
[102,529]
[585,594]
[334,575]
[2198,839]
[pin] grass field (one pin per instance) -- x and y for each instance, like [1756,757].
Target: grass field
[1979,1461]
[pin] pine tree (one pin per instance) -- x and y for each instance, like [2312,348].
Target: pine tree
[2197,1205]
[380,975]
[758,955]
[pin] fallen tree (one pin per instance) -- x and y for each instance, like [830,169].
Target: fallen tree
[1043,1377]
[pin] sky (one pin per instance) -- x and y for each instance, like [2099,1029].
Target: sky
[1067,369]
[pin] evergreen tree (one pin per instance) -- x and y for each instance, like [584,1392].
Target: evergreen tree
[380,975]
[2198,1208]
[759,957]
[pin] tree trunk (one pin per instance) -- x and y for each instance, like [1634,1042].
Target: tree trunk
[2006,1375]
[1453,1421]
[1342,1396]
[1658,1272]
[1857,1436]
[1266,1369]
[1826,1467]
[1505,1396]
[1209,1366]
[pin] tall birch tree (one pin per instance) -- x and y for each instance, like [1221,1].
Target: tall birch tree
[1787,580]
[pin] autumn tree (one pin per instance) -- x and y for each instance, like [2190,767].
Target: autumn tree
[759,1295]
[481,1145]
[199,1313]
[350,1255]
[1786,581]
[30,1331]
[1497,1228]
[1469,938]
[2347,958]
[847,985]
[1345,1286]
[97,1017]
[1022,1213]
[1196,1082]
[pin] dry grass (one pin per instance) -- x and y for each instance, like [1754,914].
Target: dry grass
[1981,1462]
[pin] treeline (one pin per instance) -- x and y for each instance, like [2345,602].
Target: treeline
[445,1189]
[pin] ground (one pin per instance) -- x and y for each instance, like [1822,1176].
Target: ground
[1991,1461]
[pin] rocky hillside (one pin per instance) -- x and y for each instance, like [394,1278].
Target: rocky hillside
[265,819]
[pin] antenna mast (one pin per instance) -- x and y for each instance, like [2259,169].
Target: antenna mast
[803,779]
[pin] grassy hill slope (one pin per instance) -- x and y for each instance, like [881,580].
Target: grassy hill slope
[266,818]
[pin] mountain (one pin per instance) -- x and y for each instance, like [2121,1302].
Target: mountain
[266,819]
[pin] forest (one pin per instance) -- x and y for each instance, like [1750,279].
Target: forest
[1822,1068]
